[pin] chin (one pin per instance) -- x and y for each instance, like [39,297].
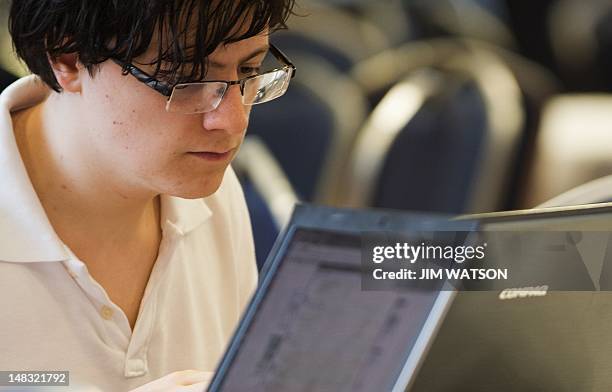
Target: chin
[197,189]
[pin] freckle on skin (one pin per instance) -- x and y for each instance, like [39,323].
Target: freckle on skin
[64,186]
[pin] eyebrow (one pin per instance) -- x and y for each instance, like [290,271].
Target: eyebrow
[255,53]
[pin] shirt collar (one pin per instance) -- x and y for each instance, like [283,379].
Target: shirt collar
[184,215]
[26,235]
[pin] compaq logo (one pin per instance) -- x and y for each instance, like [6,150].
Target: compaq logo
[523,292]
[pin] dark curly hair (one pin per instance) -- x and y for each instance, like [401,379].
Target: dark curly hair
[186,31]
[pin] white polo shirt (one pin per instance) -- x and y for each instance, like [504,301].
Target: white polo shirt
[55,316]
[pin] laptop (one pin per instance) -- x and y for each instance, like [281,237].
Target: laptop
[541,340]
[312,327]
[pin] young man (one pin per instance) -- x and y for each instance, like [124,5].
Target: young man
[125,245]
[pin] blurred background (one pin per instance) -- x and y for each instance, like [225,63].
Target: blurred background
[450,106]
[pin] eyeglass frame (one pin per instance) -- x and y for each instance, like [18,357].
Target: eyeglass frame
[166,90]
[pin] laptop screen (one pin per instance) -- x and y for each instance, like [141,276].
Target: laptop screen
[316,329]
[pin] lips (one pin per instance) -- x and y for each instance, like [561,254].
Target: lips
[213,155]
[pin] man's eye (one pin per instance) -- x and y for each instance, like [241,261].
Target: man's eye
[248,70]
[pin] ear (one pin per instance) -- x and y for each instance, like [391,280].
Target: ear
[66,68]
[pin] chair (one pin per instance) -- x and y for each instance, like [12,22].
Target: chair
[310,130]
[270,198]
[483,20]
[572,146]
[332,34]
[581,40]
[535,86]
[452,131]
[596,191]
[390,17]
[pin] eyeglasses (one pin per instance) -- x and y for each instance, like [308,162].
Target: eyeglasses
[202,97]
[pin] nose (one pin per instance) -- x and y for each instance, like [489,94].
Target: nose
[230,116]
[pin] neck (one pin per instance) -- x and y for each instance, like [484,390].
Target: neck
[89,207]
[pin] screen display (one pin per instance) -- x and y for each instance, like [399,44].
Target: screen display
[316,329]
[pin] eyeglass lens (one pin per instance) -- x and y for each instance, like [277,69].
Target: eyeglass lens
[206,96]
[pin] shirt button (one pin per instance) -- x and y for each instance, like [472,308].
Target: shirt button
[106,312]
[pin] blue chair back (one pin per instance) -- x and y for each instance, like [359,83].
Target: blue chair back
[434,159]
[297,129]
[310,130]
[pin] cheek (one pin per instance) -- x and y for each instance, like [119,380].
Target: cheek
[130,131]
[126,116]
[119,99]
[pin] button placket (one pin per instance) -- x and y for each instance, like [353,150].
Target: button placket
[136,356]
[113,333]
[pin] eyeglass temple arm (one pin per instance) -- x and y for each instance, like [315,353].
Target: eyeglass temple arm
[145,78]
[283,58]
